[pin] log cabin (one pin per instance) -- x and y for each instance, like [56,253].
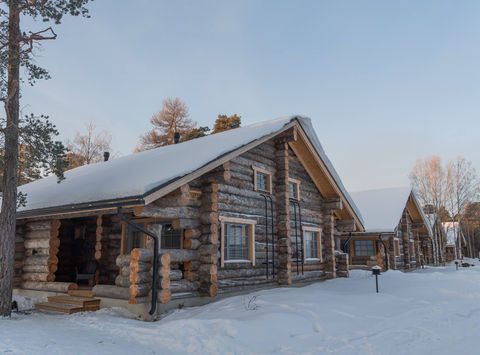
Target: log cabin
[254,207]
[397,233]
[455,241]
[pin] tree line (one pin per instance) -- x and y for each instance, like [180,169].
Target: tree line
[452,191]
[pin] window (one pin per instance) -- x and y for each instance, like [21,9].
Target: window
[312,245]
[294,188]
[262,180]
[396,246]
[133,239]
[237,240]
[364,247]
[171,238]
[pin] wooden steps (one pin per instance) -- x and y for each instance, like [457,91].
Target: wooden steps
[69,304]
[59,307]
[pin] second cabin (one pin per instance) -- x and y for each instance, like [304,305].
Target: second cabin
[397,235]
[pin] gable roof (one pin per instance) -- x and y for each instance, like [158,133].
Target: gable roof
[383,208]
[141,178]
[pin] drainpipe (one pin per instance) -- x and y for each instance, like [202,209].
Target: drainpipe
[155,257]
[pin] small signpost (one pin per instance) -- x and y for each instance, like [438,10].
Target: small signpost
[376,271]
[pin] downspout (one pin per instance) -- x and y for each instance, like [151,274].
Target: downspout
[386,251]
[155,256]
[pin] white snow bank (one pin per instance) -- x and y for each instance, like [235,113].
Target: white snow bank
[430,311]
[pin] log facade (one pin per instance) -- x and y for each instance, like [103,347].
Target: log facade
[256,220]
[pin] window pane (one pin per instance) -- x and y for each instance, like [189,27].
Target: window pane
[134,239]
[262,181]
[171,238]
[311,245]
[364,248]
[292,189]
[236,241]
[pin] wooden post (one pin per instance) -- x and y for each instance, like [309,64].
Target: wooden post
[284,249]
[164,292]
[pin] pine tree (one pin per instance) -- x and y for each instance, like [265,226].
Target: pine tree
[196,133]
[224,123]
[173,117]
[16,51]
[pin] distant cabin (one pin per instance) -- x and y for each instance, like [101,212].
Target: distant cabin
[398,234]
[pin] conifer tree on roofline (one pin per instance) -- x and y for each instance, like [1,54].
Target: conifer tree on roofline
[16,51]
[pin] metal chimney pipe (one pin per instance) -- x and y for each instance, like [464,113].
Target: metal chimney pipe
[176,137]
[106,155]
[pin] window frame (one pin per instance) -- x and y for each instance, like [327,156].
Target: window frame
[369,240]
[233,220]
[318,232]
[182,236]
[297,188]
[269,175]
[125,226]
[396,247]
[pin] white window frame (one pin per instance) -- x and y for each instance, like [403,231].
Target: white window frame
[297,183]
[269,174]
[252,223]
[319,242]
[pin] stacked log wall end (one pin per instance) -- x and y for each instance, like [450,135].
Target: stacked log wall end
[164,272]
[208,249]
[140,276]
[41,245]
[342,265]
[284,276]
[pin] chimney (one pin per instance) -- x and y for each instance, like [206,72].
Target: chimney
[106,155]
[176,137]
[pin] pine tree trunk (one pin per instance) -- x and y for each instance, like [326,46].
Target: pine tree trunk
[9,196]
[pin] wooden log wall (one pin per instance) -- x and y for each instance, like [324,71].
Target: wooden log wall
[41,247]
[311,203]
[111,241]
[19,255]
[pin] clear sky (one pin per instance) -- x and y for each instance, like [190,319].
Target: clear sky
[385,82]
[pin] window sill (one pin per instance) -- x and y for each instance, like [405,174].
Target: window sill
[237,261]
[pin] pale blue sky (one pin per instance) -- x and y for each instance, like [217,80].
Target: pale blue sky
[384,82]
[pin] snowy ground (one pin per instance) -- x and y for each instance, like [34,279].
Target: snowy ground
[436,310]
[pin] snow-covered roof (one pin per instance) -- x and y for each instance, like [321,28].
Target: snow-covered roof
[382,208]
[138,175]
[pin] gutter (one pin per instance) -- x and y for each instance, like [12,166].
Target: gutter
[155,257]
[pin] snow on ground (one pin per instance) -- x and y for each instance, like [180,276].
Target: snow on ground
[435,310]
